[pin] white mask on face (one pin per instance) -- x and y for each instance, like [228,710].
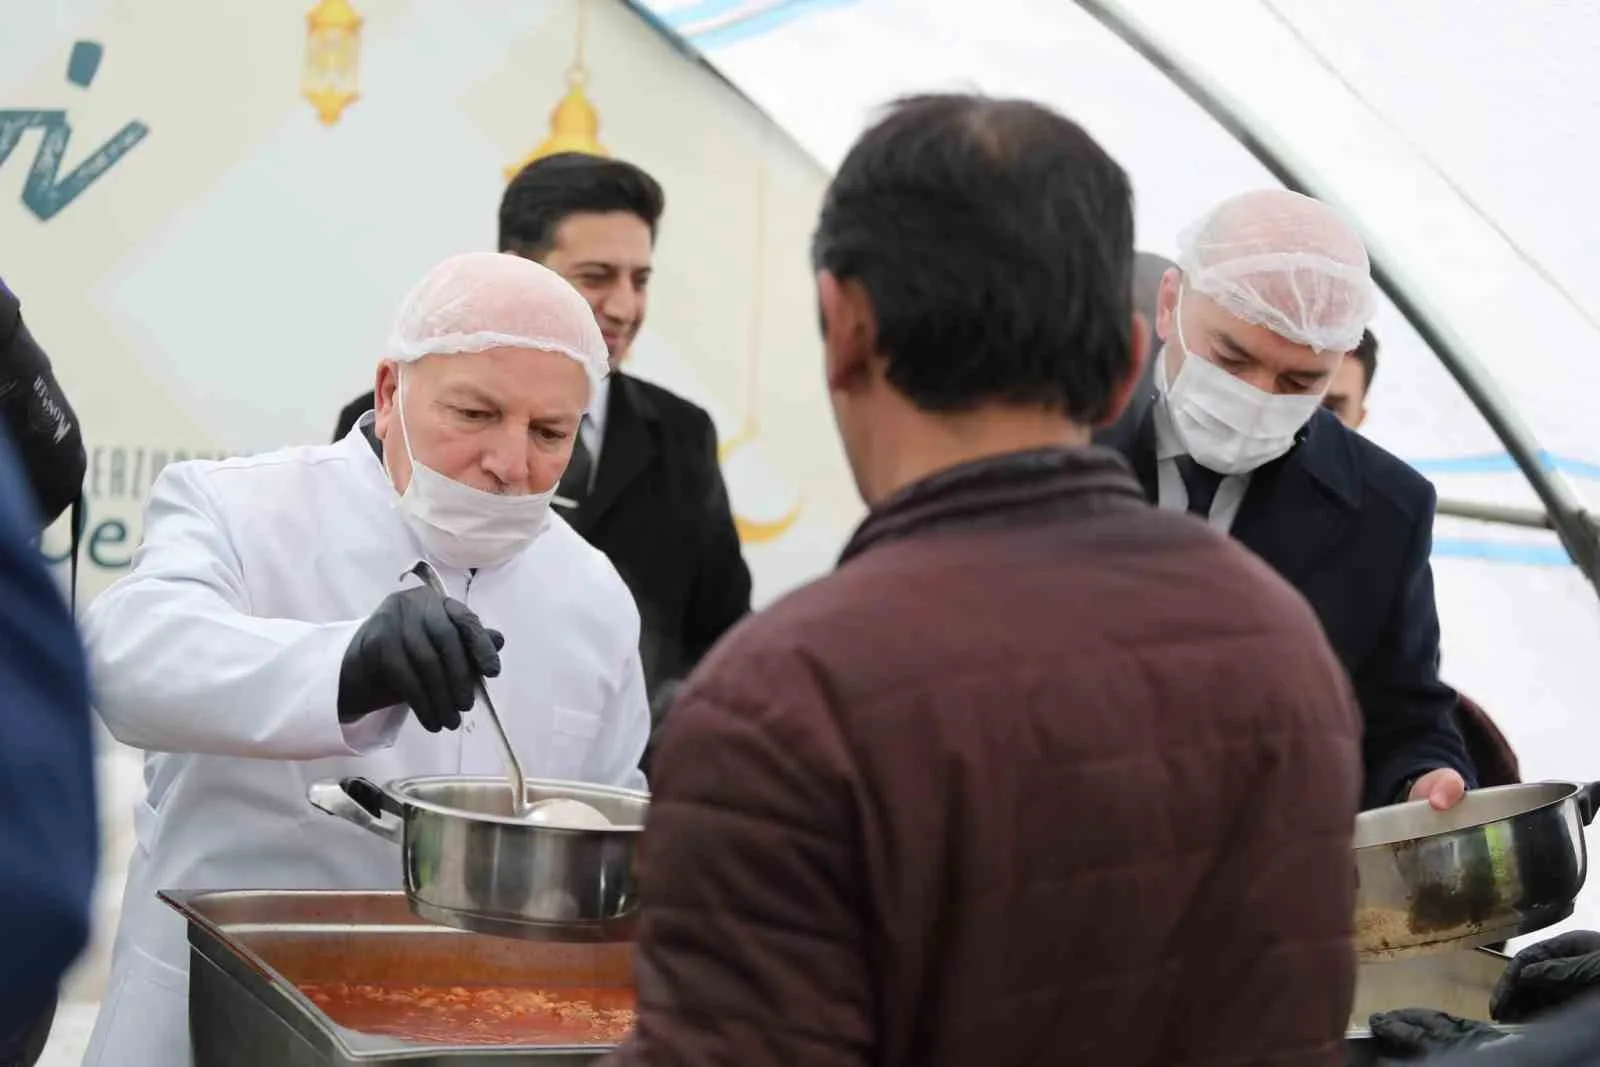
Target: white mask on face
[461,526]
[1228,425]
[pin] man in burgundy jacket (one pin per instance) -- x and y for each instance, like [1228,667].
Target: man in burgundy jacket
[1040,775]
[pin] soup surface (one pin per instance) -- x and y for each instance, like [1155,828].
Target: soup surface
[479,1015]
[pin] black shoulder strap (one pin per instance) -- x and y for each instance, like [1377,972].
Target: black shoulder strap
[72,559]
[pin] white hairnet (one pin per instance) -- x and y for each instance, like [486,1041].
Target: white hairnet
[482,300]
[1283,261]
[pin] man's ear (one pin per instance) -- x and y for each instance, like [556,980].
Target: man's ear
[1361,416]
[385,395]
[1138,355]
[849,329]
[1167,302]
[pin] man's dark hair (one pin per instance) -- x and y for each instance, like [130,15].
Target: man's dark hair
[546,192]
[1366,354]
[995,241]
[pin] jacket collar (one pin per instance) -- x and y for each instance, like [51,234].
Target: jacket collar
[1296,508]
[627,447]
[1064,481]
[1324,451]
[1299,506]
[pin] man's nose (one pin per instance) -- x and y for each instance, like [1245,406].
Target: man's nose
[509,459]
[621,302]
[1263,378]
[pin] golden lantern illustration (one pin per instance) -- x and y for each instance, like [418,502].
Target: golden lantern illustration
[756,531]
[574,124]
[331,78]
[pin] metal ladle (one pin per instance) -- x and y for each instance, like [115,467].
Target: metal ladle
[519,782]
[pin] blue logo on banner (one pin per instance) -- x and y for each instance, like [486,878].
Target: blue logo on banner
[47,192]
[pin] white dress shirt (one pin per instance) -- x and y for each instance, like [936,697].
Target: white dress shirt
[592,430]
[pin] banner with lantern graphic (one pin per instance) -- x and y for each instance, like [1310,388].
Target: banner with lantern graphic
[332,77]
[211,250]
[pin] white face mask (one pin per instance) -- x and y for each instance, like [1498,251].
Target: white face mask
[1228,425]
[461,526]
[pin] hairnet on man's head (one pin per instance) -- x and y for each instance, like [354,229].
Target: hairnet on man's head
[1284,261]
[482,300]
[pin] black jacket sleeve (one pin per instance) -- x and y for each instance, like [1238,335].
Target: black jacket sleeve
[35,411]
[1568,1038]
[1410,713]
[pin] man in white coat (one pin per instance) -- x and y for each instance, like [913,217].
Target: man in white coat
[265,638]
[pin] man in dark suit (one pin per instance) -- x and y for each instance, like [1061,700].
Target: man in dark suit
[644,485]
[1271,291]
[1491,754]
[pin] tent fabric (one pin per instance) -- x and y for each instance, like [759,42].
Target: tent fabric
[1383,110]
[1458,135]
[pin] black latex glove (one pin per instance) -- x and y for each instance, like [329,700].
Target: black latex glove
[419,649]
[1547,975]
[1411,1033]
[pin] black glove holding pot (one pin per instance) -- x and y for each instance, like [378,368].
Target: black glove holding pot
[1414,1033]
[1547,975]
[420,649]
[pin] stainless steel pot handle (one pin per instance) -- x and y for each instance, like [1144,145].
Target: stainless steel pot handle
[358,801]
[1588,802]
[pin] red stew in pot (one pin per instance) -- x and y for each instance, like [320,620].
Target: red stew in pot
[479,1015]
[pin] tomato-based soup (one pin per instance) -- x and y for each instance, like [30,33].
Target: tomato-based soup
[479,1015]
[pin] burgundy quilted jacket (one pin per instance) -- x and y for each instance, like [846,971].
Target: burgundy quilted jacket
[1039,776]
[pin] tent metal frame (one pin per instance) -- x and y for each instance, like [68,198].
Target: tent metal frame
[1563,512]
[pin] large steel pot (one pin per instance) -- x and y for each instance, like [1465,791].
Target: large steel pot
[1505,861]
[467,862]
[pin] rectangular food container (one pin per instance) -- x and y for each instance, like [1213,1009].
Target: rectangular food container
[249,949]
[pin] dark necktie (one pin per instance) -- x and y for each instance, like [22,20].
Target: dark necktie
[575,482]
[1201,484]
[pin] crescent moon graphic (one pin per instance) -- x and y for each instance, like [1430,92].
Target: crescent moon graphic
[755,533]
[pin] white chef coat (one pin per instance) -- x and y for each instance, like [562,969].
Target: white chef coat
[219,653]
[1171,494]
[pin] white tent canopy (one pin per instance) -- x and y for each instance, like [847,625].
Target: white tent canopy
[1457,134]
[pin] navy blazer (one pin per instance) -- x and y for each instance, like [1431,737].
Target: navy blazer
[1351,527]
[48,848]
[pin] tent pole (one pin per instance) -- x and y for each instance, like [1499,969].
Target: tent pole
[1577,529]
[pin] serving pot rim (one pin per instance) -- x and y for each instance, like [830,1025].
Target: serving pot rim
[1571,792]
[399,789]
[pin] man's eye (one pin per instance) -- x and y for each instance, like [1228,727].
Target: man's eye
[551,435]
[474,414]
